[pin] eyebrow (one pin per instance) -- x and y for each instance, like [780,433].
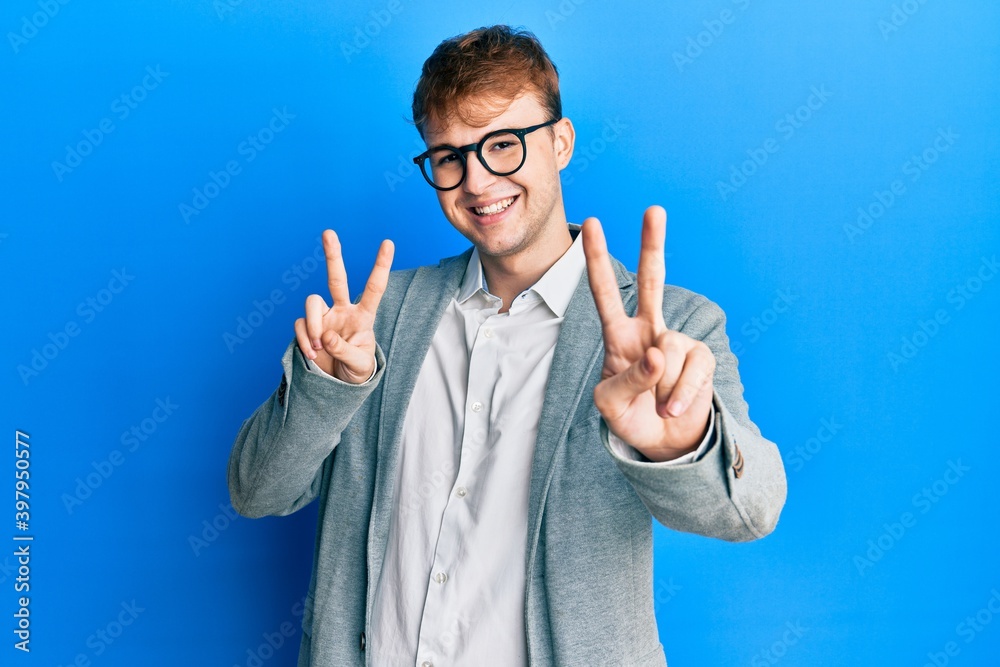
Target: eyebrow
[483,136]
[474,143]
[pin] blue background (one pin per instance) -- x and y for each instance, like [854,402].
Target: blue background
[668,102]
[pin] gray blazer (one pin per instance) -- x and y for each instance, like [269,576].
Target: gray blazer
[589,588]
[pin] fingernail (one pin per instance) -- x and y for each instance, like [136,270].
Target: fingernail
[646,366]
[675,408]
[316,343]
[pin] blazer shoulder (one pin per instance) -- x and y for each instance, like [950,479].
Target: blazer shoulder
[433,276]
[400,279]
[690,312]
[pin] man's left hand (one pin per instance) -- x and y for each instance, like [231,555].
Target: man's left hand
[656,387]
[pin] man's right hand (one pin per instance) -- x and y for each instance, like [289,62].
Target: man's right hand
[340,339]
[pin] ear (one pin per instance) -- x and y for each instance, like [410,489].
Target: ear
[563,140]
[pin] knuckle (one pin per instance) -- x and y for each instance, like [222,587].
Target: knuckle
[667,338]
[672,346]
[636,374]
[648,283]
[686,392]
[603,396]
[703,353]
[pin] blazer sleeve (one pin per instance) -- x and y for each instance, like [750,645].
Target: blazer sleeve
[276,464]
[735,491]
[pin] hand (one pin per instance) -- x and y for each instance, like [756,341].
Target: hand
[656,386]
[340,339]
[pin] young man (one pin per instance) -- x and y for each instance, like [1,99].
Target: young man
[488,437]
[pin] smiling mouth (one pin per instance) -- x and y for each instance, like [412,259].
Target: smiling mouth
[495,207]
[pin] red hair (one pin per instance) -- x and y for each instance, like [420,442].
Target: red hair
[496,62]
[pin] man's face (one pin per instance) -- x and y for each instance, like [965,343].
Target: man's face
[526,205]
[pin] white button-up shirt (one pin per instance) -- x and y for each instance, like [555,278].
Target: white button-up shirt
[452,586]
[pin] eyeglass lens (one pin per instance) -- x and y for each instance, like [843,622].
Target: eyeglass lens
[502,154]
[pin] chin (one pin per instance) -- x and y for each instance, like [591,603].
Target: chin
[503,246]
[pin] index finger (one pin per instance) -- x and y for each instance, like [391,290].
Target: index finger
[652,271]
[336,273]
[601,275]
[378,279]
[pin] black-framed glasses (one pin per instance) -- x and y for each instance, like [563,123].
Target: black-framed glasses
[501,152]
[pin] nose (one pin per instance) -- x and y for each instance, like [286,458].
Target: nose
[477,178]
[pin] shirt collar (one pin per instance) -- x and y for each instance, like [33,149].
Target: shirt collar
[556,286]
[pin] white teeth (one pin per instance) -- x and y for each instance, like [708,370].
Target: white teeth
[495,207]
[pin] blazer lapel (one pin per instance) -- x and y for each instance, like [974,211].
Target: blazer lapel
[423,305]
[579,347]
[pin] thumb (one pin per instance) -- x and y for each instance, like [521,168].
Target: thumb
[613,395]
[354,361]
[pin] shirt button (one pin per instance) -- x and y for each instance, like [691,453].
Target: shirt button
[461,491]
[477,406]
[427,663]
[488,332]
[440,577]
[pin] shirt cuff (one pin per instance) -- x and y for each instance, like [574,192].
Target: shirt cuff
[629,452]
[316,370]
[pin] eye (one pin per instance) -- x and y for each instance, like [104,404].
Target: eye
[501,145]
[444,158]
[503,142]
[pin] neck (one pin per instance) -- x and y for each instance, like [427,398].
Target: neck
[510,275]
